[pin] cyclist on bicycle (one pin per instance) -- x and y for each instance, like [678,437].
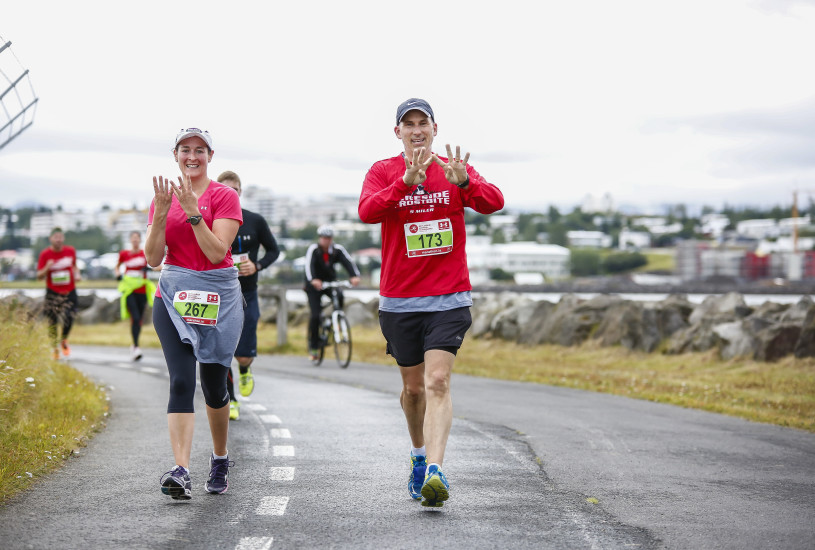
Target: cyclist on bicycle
[321,258]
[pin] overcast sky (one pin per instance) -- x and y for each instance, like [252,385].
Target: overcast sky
[701,102]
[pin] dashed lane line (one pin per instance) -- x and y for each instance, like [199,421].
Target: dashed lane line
[272,506]
[255,543]
[282,450]
[270,419]
[280,473]
[280,433]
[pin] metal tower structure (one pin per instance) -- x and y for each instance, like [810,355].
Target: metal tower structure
[18,102]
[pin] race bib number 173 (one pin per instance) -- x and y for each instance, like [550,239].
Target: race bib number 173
[428,238]
[197,307]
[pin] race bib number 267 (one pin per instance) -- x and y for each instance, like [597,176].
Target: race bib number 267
[197,307]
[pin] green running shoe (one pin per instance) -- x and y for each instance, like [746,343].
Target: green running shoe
[246,383]
[234,410]
[436,489]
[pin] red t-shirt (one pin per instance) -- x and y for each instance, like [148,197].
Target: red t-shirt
[135,264]
[430,220]
[60,277]
[218,201]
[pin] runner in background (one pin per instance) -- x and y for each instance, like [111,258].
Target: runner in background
[57,265]
[136,289]
[253,234]
[419,199]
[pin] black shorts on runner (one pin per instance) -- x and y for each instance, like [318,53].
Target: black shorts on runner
[248,343]
[410,335]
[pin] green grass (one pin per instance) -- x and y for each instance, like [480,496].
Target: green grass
[659,261]
[48,410]
[781,393]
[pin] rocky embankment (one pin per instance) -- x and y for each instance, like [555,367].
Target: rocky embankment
[673,325]
[723,322]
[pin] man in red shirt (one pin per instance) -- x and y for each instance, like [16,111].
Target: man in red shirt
[424,310]
[57,265]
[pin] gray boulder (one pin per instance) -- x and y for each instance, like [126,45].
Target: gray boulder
[630,325]
[734,340]
[805,347]
[486,307]
[532,331]
[574,321]
[507,324]
[776,341]
[721,308]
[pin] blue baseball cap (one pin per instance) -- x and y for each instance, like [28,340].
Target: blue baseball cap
[411,104]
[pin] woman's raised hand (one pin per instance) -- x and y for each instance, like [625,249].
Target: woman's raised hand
[163,195]
[186,196]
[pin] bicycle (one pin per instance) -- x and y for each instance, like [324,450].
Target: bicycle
[335,329]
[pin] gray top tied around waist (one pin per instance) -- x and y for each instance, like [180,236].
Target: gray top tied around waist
[211,344]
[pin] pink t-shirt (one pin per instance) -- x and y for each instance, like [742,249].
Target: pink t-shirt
[218,201]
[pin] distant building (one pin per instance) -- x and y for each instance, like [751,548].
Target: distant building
[758,229]
[552,261]
[633,240]
[785,225]
[589,239]
[508,224]
[714,225]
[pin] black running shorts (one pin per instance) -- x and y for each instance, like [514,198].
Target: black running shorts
[410,335]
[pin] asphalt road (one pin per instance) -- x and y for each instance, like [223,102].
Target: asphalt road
[321,462]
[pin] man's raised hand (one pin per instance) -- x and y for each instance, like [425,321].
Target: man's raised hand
[455,169]
[416,167]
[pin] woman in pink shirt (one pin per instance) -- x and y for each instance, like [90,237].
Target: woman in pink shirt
[198,315]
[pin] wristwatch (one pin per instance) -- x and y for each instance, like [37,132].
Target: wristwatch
[257,266]
[193,220]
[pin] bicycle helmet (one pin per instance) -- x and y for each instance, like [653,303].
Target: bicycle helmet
[325,231]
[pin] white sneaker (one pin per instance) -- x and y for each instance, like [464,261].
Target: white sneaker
[135,352]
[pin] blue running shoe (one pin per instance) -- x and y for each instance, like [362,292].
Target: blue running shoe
[218,474]
[436,489]
[177,484]
[418,466]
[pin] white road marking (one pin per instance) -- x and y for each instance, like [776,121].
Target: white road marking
[255,407]
[282,450]
[270,418]
[280,473]
[255,543]
[150,370]
[272,506]
[280,433]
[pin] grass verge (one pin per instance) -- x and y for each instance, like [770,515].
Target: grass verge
[781,393]
[48,410]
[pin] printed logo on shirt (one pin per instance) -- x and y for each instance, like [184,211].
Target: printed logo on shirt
[441,197]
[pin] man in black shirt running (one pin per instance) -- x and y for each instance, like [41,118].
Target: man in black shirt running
[251,235]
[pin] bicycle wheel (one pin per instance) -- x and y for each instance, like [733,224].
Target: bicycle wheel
[342,346]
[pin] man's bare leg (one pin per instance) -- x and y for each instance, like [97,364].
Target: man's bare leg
[413,402]
[438,416]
